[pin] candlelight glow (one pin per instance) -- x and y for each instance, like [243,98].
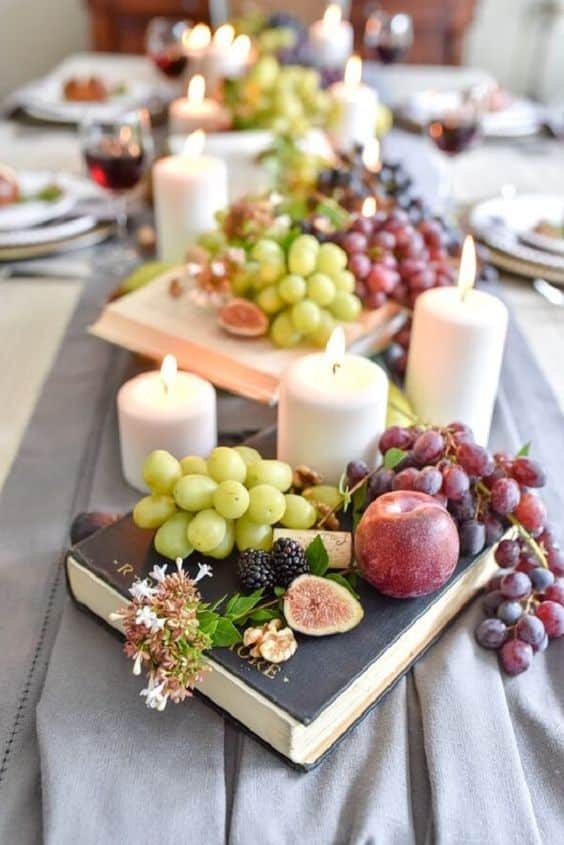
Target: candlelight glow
[369,207]
[198,38]
[197,89]
[169,370]
[467,271]
[332,17]
[335,349]
[242,46]
[371,155]
[224,35]
[194,144]
[353,71]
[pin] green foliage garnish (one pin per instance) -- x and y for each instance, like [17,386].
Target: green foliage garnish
[317,557]
[393,457]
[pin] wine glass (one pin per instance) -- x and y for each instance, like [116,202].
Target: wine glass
[163,42]
[388,36]
[453,125]
[117,153]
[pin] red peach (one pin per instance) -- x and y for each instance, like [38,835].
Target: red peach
[406,544]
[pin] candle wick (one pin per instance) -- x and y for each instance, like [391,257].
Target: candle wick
[336,366]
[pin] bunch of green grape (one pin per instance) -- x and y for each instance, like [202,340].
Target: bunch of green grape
[286,99]
[303,290]
[232,498]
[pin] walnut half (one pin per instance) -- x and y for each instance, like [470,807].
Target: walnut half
[271,642]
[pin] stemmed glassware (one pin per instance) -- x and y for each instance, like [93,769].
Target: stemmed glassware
[164,46]
[454,125]
[387,36]
[117,153]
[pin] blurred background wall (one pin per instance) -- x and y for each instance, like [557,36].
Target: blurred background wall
[520,41]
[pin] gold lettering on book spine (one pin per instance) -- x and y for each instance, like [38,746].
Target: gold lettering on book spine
[123,568]
[265,667]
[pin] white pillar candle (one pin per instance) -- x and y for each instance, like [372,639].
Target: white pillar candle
[196,111]
[456,352]
[331,38]
[188,190]
[226,56]
[332,410]
[358,109]
[196,42]
[164,410]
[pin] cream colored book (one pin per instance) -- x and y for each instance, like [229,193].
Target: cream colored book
[153,323]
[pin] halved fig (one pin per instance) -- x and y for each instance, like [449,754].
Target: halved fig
[243,318]
[318,607]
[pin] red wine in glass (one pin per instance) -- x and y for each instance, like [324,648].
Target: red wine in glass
[115,167]
[172,65]
[453,135]
[389,53]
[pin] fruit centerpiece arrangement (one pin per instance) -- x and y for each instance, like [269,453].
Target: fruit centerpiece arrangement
[436,495]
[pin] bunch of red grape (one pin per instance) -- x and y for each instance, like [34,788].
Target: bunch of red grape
[392,259]
[488,496]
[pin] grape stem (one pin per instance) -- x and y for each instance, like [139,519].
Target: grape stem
[350,492]
[529,539]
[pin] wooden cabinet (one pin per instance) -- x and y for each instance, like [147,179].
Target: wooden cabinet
[119,25]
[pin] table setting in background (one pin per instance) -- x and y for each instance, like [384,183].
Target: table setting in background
[288,501]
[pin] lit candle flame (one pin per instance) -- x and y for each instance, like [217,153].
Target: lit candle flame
[332,17]
[194,144]
[224,35]
[169,369]
[242,47]
[371,155]
[353,71]
[467,270]
[335,349]
[198,38]
[369,207]
[197,89]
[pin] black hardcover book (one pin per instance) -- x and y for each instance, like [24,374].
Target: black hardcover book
[301,708]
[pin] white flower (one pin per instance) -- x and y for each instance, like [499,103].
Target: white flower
[147,617]
[137,663]
[179,564]
[142,589]
[204,570]
[158,573]
[155,700]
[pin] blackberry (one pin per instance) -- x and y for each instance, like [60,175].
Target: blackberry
[255,569]
[289,561]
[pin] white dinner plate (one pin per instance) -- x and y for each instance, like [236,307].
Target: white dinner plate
[506,225]
[46,101]
[28,212]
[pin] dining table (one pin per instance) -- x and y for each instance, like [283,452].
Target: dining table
[455,753]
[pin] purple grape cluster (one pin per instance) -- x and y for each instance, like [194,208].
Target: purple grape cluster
[393,259]
[524,603]
[488,496]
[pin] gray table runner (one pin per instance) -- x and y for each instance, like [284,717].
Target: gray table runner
[456,753]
